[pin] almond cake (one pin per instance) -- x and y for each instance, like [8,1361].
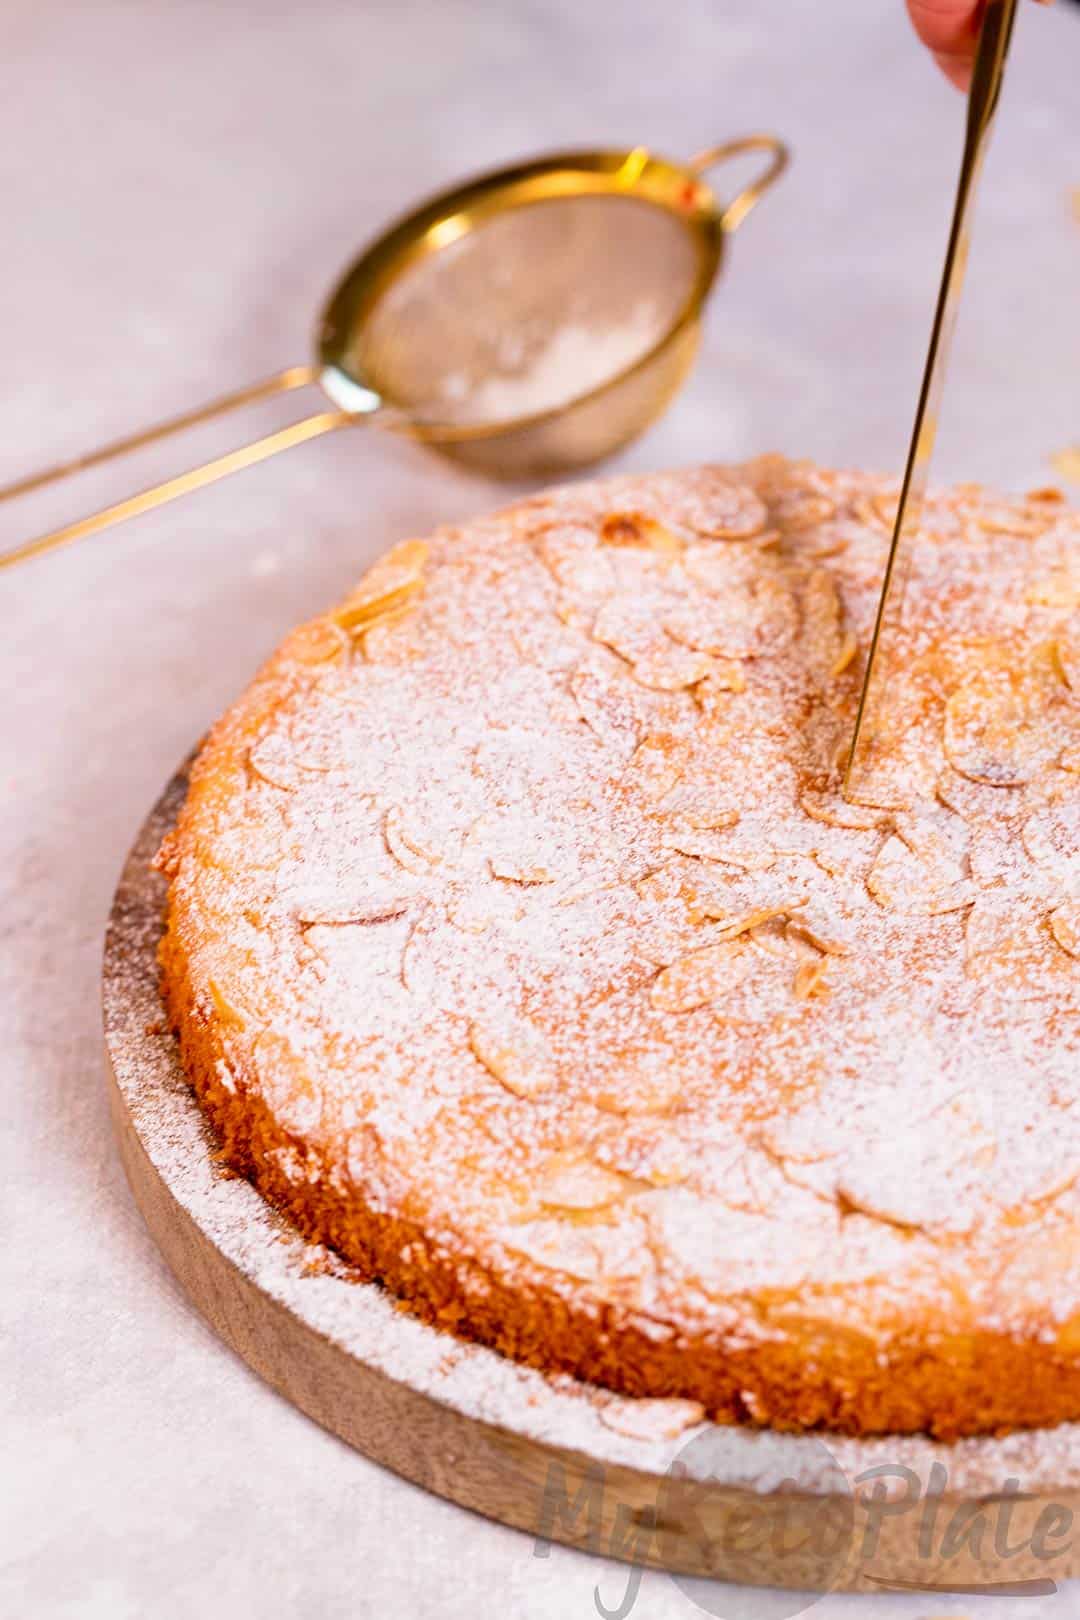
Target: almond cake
[524,949]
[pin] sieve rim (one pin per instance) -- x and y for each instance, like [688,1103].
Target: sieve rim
[631,172]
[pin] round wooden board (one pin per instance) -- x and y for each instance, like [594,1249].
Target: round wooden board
[563,1461]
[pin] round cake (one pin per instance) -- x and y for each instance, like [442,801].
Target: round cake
[525,951]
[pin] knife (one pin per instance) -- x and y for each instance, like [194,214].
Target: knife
[871,721]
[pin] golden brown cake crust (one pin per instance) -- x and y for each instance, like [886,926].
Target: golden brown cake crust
[522,949]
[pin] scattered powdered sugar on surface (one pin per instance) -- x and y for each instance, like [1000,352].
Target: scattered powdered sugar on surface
[575,358]
[524,890]
[475,1382]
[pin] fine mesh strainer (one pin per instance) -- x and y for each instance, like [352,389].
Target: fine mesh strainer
[528,322]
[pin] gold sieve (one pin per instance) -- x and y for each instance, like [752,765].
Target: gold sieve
[526,323]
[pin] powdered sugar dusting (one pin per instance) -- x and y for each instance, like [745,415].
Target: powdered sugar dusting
[468,1379]
[584,788]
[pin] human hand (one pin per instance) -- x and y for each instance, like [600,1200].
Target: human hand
[951,30]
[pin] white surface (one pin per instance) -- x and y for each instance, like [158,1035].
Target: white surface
[180,182]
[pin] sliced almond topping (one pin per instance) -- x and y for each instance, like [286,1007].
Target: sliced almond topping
[226,1010]
[671,669]
[273,761]
[639,530]
[732,927]
[570,554]
[725,510]
[1065,927]
[651,1419]
[406,845]
[627,626]
[471,912]
[515,1052]
[902,882]
[1011,520]
[387,586]
[318,642]
[510,869]
[804,509]
[835,811]
[657,764]
[699,978]
[578,1186]
[849,646]
[1066,655]
[725,675]
[699,846]
[809,979]
[827,944]
[999,727]
[373,908]
[700,812]
[823,638]
[743,619]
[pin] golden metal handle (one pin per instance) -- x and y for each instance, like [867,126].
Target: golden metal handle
[197,478]
[737,210]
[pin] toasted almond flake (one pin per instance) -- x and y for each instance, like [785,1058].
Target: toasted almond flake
[639,530]
[1008,520]
[733,511]
[1065,927]
[471,912]
[1066,656]
[809,979]
[273,761]
[373,908]
[651,1419]
[741,619]
[318,642]
[700,977]
[701,815]
[902,882]
[728,928]
[998,725]
[671,670]
[571,555]
[225,1009]
[726,676]
[577,1186]
[805,509]
[406,845]
[849,646]
[508,869]
[702,847]
[827,944]
[835,811]
[514,1051]
[629,628]
[385,587]
[657,764]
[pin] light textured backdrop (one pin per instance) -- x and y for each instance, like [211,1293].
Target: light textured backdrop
[179,182]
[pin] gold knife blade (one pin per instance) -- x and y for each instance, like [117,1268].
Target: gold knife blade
[879,680]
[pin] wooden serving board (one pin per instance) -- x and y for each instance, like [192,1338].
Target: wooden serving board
[563,1461]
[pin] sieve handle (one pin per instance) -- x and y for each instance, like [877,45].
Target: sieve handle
[737,210]
[197,478]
